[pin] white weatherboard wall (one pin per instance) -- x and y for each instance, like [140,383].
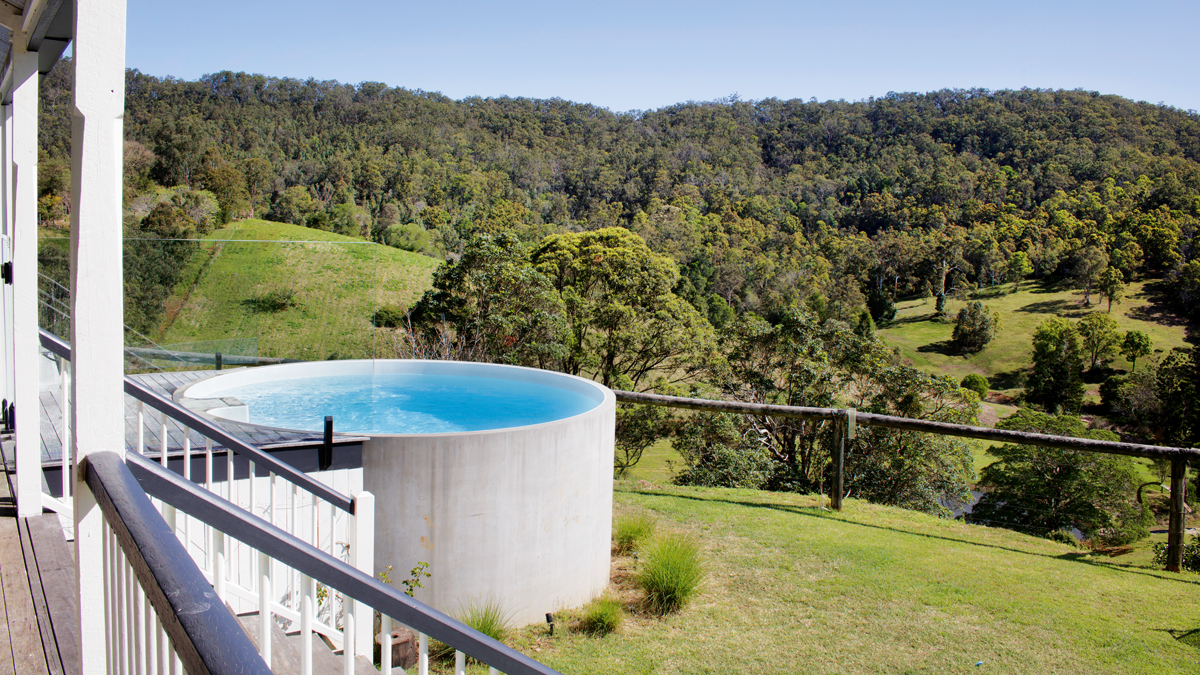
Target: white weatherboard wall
[520,515]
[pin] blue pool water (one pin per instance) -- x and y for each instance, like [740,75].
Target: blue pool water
[407,403]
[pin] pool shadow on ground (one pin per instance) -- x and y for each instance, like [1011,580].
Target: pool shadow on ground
[822,514]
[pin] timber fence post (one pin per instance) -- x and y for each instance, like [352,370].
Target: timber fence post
[1176,526]
[839,457]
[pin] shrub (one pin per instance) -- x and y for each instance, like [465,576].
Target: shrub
[388,317]
[601,616]
[974,327]
[629,531]
[670,572]
[1062,537]
[272,301]
[1191,555]
[976,383]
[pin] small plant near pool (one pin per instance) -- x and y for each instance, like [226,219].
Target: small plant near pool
[630,530]
[488,616]
[601,616]
[670,571]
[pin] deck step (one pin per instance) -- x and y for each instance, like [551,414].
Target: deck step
[285,651]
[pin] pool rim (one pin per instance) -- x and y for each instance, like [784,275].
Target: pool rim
[595,391]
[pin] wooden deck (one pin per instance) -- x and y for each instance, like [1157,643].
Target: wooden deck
[39,615]
[165,385]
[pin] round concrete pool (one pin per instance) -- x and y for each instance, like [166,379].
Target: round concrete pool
[499,477]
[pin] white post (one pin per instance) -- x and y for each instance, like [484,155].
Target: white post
[362,558]
[25,324]
[6,185]
[98,419]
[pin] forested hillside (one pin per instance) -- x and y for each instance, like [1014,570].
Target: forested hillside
[760,202]
[740,249]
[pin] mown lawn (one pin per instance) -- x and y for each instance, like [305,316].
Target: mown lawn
[792,588]
[925,341]
[336,283]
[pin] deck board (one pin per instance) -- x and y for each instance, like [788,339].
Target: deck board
[37,592]
[25,637]
[55,564]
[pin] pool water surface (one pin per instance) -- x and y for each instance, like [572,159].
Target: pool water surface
[407,403]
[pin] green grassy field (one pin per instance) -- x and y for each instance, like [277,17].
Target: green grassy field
[337,282]
[925,341]
[792,588]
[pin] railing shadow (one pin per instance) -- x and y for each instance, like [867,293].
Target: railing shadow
[816,512]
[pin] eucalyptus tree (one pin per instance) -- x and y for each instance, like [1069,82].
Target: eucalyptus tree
[1136,345]
[491,305]
[1056,380]
[623,321]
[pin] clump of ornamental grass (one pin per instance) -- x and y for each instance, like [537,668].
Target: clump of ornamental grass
[630,530]
[488,616]
[601,616]
[670,571]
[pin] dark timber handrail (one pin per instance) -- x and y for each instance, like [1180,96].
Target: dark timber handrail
[55,344]
[841,417]
[205,635]
[262,536]
[210,429]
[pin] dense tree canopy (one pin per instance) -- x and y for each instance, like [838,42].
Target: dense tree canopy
[760,203]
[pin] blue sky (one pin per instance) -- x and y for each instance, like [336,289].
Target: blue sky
[627,54]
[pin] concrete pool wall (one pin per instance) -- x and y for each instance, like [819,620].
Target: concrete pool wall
[520,515]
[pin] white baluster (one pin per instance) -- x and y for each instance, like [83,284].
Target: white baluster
[306,620]
[141,428]
[385,644]
[362,557]
[208,481]
[150,620]
[130,618]
[187,475]
[162,457]
[218,568]
[106,542]
[139,613]
[264,606]
[348,629]
[422,654]
[121,615]
[460,663]
[64,369]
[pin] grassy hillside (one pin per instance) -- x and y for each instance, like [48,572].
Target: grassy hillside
[302,293]
[792,588]
[925,341]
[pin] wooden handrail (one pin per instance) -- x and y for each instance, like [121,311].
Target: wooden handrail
[207,638]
